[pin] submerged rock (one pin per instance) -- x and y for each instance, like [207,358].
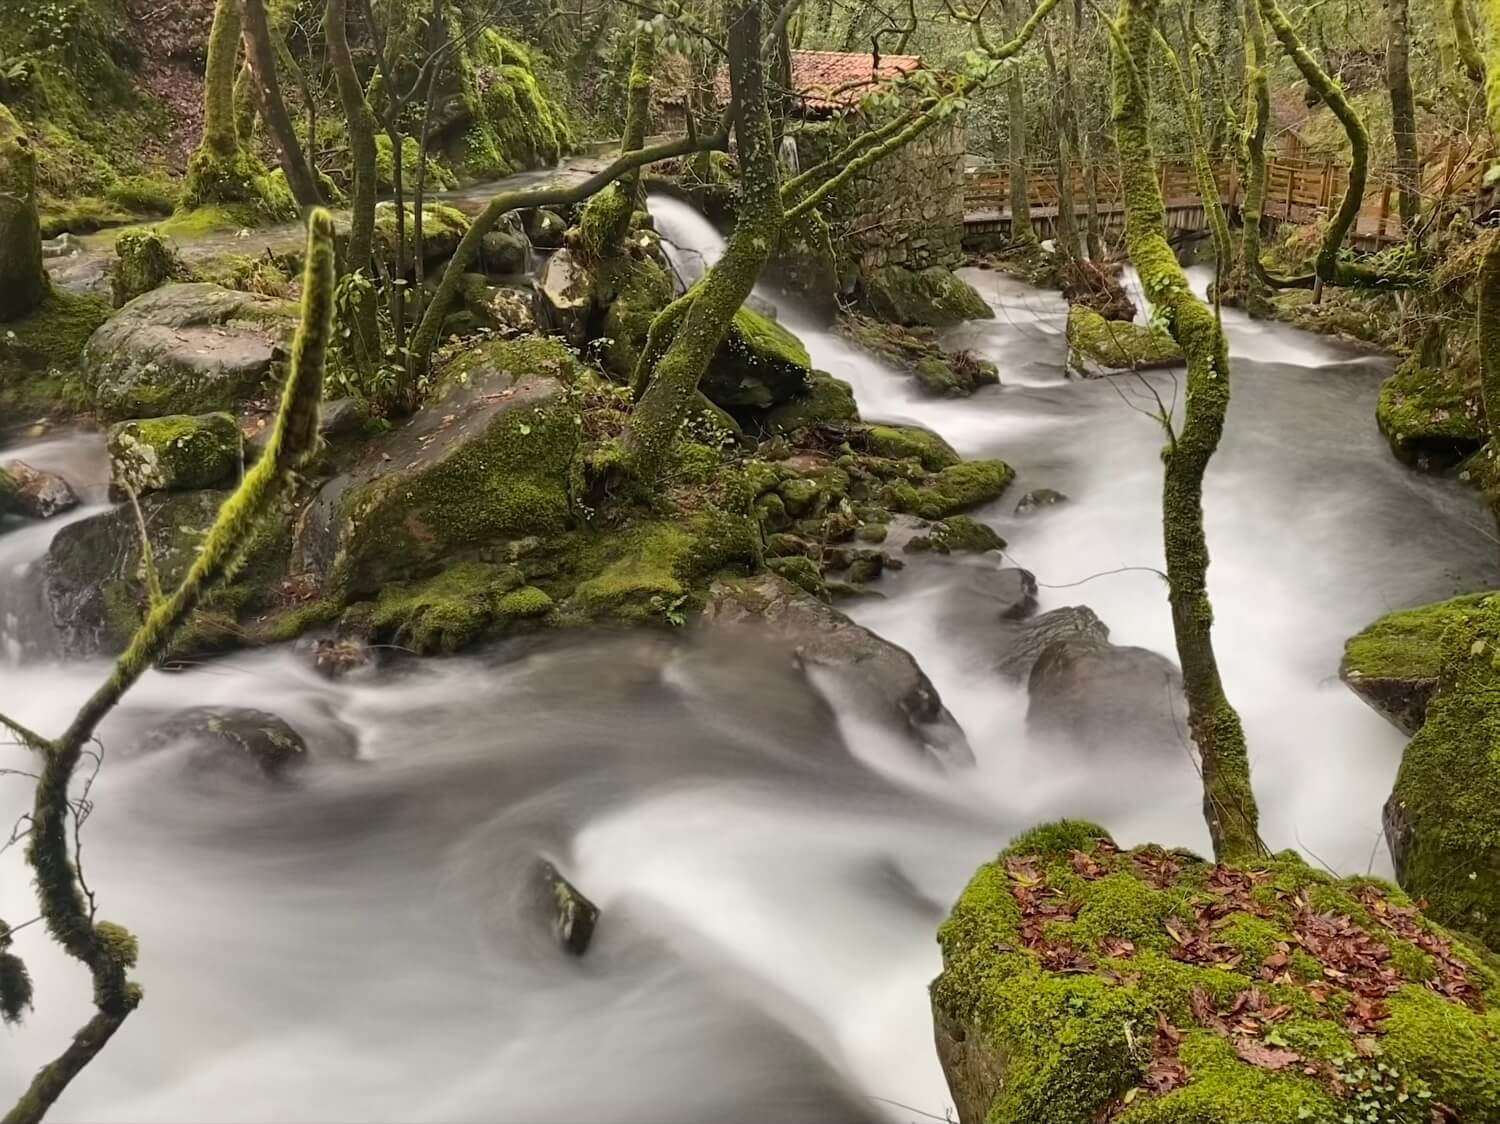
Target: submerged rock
[232,740]
[571,916]
[1443,817]
[1037,499]
[1020,642]
[177,453]
[1107,697]
[1083,983]
[881,674]
[1097,346]
[934,297]
[34,493]
[185,348]
[982,596]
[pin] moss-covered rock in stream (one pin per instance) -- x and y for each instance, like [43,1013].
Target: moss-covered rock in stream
[828,401]
[1098,346]
[23,281]
[759,365]
[1443,818]
[934,297]
[186,348]
[898,442]
[1431,418]
[1394,663]
[951,490]
[176,453]
[915,350]
[1083,983]
[455,607]
[143,261]
[442,229]
[499,120]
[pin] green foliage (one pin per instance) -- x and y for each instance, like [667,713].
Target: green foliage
[514,125]
[1407,644]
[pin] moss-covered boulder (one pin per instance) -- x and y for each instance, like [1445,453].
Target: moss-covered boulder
[490,460]
[639,288]
[915,350]
[898,442]
[176,453]
[1083,983]
[1394,663]
[23,281]
[497,119]
[1097,346]
[934,297]
[1443,818]
[442,229]
[759,365]
[456,607]
[951,490]
[232,741]
[186,348]
[829,401]
[143,261]
[1432,418]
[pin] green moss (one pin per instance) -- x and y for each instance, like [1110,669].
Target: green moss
[801,571]
[1072,1044]
[187,225]
[1431,418]
[933,297]
[759,365]
[916,350]
[178,452]
[53,335]
[1117,345]
[143,260]
[438,177]
[956,488]
[962,532]
[143,195]
[449,611]
[512,124]
[524,604]
[1406,644]
[1448,789]
[641,288]
[901,441]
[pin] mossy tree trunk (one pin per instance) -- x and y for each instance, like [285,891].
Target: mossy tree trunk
[606,218]
[1249,284]
[1489,270]
[673,387]
[1064,127]
[1403,112]
[23,280]
[1228,801]
[1463,37]
[359,254]
[1021,229]
[261,56]
[108,950]
[220,171]
[1203,169]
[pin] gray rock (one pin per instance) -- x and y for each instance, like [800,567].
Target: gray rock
[37,494]
[544,227]
[1022,641]
[65,245]
[177,453]
[565,297]
[230,740]
[343,417]
[1401,702]
[571,916]
[1038,498]
[1106,697]
[512,311]
[186,348]
[985,595]
[505,250]
[881,674]
[1400,834]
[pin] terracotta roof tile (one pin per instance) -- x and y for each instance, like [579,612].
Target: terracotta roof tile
[829,80]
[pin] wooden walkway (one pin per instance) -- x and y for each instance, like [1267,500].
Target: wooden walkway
[1297,191]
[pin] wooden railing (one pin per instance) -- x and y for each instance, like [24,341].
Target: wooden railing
[1297,190]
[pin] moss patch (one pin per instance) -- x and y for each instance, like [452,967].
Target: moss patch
[1431,418]
[916,351]
[933,297]
[955,489]
[1082,983]
[179,452]
[1095,343]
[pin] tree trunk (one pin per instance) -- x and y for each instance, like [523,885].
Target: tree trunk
[267,86]
[1062,126]
[220,170]
[1021,229]
[1203,169]
[1403,113]
[1258,115]
[365,328]
[654,422]
[1463,37]
[23,280]
[1228,801]
[606,218]
[245,108]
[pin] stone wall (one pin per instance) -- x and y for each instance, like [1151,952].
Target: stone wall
[907,209]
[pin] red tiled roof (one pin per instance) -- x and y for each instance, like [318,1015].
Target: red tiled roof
[827,80]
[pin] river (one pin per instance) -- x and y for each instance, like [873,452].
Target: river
[364,946]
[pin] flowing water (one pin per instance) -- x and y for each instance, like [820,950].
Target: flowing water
[771,872]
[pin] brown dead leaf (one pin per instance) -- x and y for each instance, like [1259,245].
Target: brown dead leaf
[1265,1057]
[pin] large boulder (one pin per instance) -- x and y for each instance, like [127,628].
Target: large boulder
[176,453]
[830,401]
[934,297]
[1084,983]
[442,229]
[487,461]
[1097,346]
[879,673]
[1021,641]
[186,348]
[33,493]
[759,365]
[1432,418]
[23,280]
[1106,697]
[1393,664]
[565,298]
[1443,816]
[232,741]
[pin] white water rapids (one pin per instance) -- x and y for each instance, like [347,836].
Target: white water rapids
[363,947]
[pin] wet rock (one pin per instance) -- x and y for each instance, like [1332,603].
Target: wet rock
[336,657]
[31,492]
[505,251]
[65,245]
[572,916]
[915,350]
[1037,499]
[185,348]
[1022,641]
[545,227]
[1431,417]
[177,453]
[1106,697]
[1097,346]
[442,229]
[881,675]
[981,596]
[512,311]
[934,297]
[565,297]
[230,740]
[486,461]
[829,402]
[340,418]
[759,365]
